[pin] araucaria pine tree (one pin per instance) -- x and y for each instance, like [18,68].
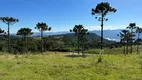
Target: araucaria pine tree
[138,31]
[24,32]
[132,27]
[9,21]
[42,27]
[102,9]
[80,32]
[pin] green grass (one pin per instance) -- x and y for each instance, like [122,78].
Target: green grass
[59,67]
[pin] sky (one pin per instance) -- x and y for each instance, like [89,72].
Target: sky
[63,15]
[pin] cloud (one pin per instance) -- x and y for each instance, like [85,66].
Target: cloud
[110,39]
[105,27]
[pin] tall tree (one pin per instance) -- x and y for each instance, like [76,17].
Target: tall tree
[132,26]
[9,21]
[80,32]
[24,32]
[102,9]
[42,27]
[123,39]
[138,31]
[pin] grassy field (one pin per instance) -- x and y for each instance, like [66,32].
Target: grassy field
[58,67]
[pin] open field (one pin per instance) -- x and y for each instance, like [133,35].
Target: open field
[59,67]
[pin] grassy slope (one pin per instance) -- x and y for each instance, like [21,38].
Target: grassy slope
[59,67]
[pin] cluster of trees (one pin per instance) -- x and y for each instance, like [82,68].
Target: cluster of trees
[19,44]
[63,42]
[23,32]
[51,43]
[25,43]
[127,37]
[101,9]
[26,32]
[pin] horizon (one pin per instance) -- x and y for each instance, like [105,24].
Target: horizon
[72,32]
[62,15]
[107,36]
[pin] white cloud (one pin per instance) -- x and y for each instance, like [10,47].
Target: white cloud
[111,39]
[105,27]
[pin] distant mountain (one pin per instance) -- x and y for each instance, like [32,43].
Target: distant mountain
[69,37]
[111,34]
[46,33]
[50,33]
[92,38]
[108,34]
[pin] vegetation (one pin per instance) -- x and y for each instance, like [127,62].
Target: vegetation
[62,43]
[59,60]
[58,67]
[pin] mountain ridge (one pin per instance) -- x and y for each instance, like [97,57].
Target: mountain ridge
[108,34]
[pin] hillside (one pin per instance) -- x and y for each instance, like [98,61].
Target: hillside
[108,34]
[62,42]
[92,37]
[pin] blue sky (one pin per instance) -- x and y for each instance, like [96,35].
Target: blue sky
[62,15]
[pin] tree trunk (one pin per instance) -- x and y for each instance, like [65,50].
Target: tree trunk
[102,20]
[131,41]
[83,49]
[8,37]
[124,49]
[24,45]
[41,41]
[138,43]
[78,43]
[127,48]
